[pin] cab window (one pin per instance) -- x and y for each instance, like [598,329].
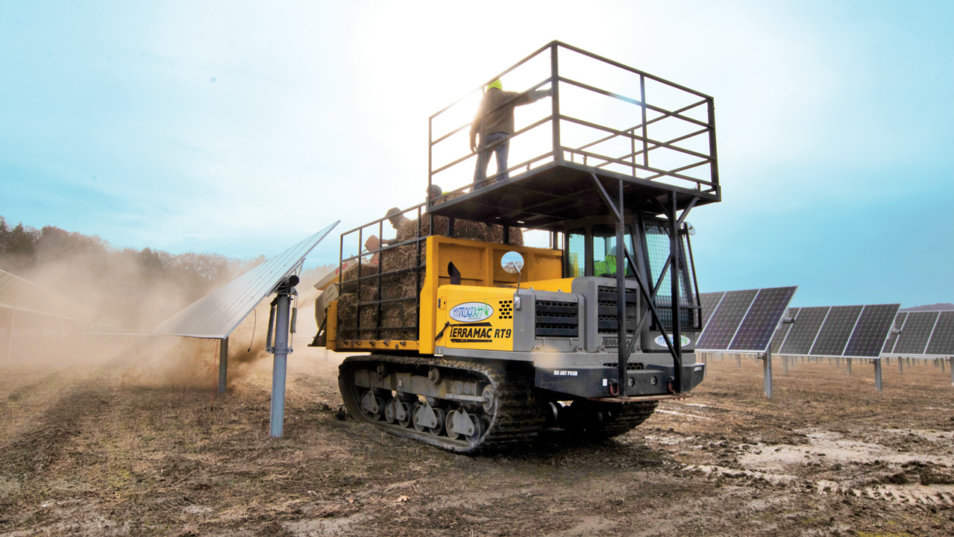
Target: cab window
[606,254]
[576,254]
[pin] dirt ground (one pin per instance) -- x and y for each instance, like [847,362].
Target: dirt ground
[114,447]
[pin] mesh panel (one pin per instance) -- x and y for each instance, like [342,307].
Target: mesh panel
[657,250]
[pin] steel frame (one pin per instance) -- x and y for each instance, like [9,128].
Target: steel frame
[673,264]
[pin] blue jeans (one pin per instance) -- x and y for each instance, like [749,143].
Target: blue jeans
[495,142]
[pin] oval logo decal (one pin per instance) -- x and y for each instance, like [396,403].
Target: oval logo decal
[471,312]
[662,342]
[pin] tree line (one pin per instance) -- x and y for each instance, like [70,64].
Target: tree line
[132,288]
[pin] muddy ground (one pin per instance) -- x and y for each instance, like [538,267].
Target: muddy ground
[113,448]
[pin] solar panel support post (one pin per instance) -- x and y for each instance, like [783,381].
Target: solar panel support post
[877,373]
[767,371]
[280,349]
[848,365]
[952,369]
[13,314]
[223,364]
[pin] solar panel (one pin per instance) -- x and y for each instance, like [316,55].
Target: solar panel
[216,315]
[725,320]
[893,336]
[834,334]
[804,330]
[760,321]
[783,329]
[916,332]
[709,303]
[942,340]
[869,334]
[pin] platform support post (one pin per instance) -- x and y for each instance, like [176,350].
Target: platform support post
[223,364]
[280,319]
[878,379]
[767,370]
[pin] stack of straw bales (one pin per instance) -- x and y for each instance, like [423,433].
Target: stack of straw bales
[400,279]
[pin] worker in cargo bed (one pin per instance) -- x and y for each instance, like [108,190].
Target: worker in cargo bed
[494,123]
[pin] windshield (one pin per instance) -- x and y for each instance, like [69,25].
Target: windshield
[606,254]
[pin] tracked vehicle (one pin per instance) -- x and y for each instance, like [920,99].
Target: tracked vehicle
[473,338]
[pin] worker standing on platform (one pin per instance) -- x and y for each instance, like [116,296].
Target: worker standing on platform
[494,123]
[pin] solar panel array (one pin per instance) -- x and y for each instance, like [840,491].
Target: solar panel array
[216,315]
[709,302]
[870,330]
[742,320]
[895,330]
[842,331]
[927,333]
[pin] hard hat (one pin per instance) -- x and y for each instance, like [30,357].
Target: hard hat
[392,212]
[495,84]
[434,191]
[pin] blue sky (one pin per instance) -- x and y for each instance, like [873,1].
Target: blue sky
[241,127]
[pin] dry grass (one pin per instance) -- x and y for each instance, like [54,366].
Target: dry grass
[93,450]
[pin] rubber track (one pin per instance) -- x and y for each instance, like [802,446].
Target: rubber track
[516,422]
[627,417]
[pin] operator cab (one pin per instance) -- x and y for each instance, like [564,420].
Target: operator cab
[590,249]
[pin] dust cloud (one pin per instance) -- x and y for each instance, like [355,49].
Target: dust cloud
[106,306]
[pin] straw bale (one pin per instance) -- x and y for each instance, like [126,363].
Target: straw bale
[398,319]
[348,318]
[352,272]
[463,229]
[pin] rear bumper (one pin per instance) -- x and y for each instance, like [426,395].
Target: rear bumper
[599,382]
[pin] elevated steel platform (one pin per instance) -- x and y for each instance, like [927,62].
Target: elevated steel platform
[548,197]
[585,129]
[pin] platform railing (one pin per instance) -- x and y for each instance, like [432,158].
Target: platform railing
[600,114]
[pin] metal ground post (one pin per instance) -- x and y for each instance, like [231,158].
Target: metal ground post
[280,349]
[223,364]
[13,313]
[878,379]
[767,370]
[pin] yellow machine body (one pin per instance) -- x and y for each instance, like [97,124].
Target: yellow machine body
[483,284]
